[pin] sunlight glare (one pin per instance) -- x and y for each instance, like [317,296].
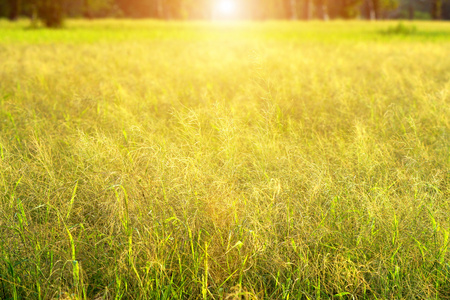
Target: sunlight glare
[226,8]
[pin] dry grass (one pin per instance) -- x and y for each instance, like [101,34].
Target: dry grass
[251,161]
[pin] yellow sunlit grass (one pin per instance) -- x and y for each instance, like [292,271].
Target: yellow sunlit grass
[275,160]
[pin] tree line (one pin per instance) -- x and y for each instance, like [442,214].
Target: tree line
[52,12]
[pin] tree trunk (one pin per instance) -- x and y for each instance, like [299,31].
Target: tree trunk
[436,9]
[307,9]
[15,6]
[159,9]
[34,16]
[51,12]
[324,10]
[87,9]
[293,9]
[372,10]
[411,10]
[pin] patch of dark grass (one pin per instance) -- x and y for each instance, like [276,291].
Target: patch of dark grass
[401,29]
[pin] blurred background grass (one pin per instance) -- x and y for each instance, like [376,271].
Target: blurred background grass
[110,30]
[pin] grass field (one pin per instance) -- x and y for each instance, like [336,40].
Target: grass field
[276,160]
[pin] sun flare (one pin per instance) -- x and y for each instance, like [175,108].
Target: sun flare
[226,9]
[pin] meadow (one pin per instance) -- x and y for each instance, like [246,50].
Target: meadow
[189,160]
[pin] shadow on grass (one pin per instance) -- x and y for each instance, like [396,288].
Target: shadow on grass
[402,29]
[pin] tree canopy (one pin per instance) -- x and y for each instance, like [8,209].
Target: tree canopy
[52,12]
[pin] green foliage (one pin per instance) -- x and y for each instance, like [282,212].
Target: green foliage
[388,4]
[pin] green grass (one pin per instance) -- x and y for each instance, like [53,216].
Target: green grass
[276,160]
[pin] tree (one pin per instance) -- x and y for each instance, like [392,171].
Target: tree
[294,5]
[378,9]
[292,11]
[345,9]
[368,10]
[307,9]
[51,12]
[14,9]
[97,8]
[411,10]
[436,9]
[446,10]
[321,9]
